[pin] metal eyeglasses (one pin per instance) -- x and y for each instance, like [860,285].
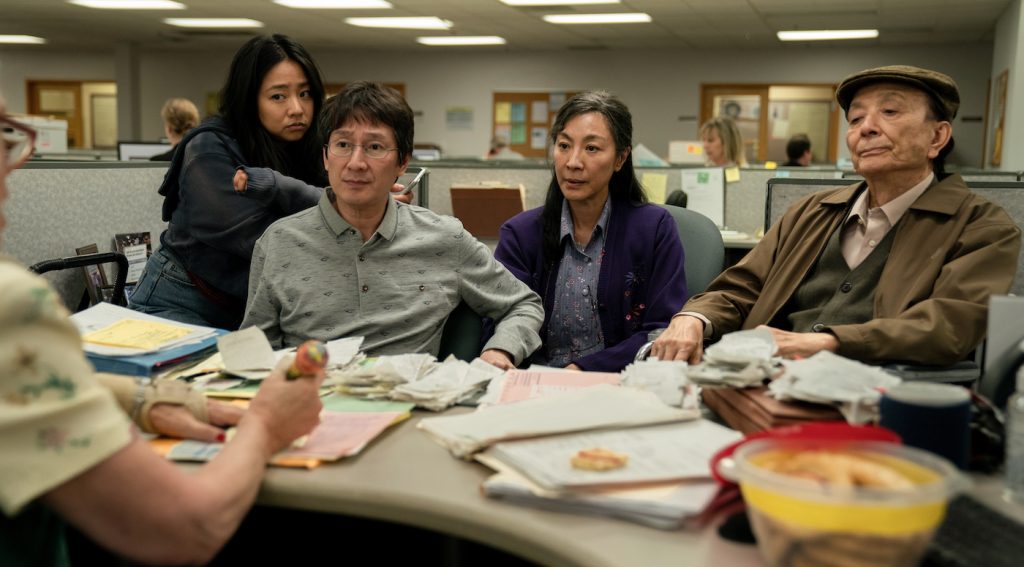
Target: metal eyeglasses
[344,148]
[18,139]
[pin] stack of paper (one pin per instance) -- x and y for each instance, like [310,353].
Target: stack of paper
[346,427]
[829,378]
[376,377]
[666,478]
[448,383]
[122,341]
[601,406]
[519,385]
[740,359]
[666,378]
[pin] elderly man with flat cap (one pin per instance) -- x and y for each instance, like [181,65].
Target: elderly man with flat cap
[897,268]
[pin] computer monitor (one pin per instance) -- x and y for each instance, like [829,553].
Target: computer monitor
[1004,348]
[140,151]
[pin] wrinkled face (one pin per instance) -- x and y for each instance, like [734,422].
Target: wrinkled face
[713,147]
[890,130]
[285,102]
[585,158]
[361,182]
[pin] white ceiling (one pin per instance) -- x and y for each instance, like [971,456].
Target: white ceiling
[677,24]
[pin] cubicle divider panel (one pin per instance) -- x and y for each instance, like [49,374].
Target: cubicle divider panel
[535,181]
[52,211]
[745,198]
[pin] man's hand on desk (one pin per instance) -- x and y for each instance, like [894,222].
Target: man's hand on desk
[682,340]
[499,358]
[177,421]
[801,345]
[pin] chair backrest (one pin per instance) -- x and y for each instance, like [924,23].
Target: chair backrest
[116,258]
[703,246]
[1004,348]
[462,334]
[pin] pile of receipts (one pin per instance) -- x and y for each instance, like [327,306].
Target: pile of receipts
[832,379]
[738,360]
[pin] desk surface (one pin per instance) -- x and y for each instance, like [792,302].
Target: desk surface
[406,477]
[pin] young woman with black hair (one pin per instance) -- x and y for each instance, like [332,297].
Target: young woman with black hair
[254,162]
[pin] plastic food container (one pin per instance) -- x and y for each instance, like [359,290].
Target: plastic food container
[824,520]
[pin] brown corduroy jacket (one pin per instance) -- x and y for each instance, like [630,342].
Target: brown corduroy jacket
[952,250]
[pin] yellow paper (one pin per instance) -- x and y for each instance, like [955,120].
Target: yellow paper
[502,112]
[732,174]
[770,165]
[654,184]
[135,333]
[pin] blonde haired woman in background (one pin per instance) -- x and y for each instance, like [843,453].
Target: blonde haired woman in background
[723,144]
[180,115]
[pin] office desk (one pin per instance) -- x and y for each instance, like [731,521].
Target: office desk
[407,478]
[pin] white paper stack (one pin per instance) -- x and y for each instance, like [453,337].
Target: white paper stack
[602,406]
[829,378]
[103,315]
[377,377]
[446,384]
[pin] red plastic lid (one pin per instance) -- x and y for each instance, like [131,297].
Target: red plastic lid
[812,431]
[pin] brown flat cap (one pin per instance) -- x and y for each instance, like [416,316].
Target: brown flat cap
[937,85]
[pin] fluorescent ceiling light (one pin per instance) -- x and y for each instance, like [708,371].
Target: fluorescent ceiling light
[213,22]
[629,18]
[818,35]
[333,4]
[557,2]
[25,39]
[462,40]
[426,23]
[129,4]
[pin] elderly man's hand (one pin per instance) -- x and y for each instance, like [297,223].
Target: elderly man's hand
[682,340]
[176,421]
[801,345]
[396,193]
[499,358]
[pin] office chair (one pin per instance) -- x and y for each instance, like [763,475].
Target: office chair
[120,276]
[705,256]
[462,334]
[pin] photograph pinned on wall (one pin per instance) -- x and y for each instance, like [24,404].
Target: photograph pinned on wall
[95,277]
[136,246]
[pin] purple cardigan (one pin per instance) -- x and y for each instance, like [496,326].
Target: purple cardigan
[641,285]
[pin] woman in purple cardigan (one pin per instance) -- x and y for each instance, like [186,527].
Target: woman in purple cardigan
[608,266]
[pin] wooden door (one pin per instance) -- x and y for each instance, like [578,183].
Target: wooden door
[59,99]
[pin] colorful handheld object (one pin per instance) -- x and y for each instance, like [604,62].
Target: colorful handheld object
[310,357]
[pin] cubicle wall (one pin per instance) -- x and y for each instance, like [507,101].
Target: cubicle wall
[745,199]
[54,208]
[782,193]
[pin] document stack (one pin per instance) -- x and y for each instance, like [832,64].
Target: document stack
[122,341]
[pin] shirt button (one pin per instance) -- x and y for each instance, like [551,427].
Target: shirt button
[366,288]
[846,287]
[423,287]
[351,231]
[817,328]
[872,243]
[586,291]
[362,258]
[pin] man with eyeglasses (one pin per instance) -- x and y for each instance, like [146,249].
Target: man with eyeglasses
[361,264]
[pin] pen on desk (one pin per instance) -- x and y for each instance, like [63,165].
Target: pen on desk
[310,357]
[415,181]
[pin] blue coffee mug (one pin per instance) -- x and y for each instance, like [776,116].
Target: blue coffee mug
[933,417]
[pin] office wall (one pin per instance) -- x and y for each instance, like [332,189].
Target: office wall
[1008,53]
[662,87]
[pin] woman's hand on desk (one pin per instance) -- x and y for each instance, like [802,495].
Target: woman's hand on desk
[499,358]
[801,345]
[240,181]
[177,421]
[682,340]
[286,409]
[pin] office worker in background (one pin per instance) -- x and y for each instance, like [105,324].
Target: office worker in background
[723,144]
[70,454]
[608,266]
[499,150]
[361,264]
[253,163]
[897,268]
[798,151]
[179,115]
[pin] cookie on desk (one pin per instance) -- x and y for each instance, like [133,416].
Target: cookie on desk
[598,459]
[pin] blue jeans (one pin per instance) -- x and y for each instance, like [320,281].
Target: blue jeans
[165,290]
